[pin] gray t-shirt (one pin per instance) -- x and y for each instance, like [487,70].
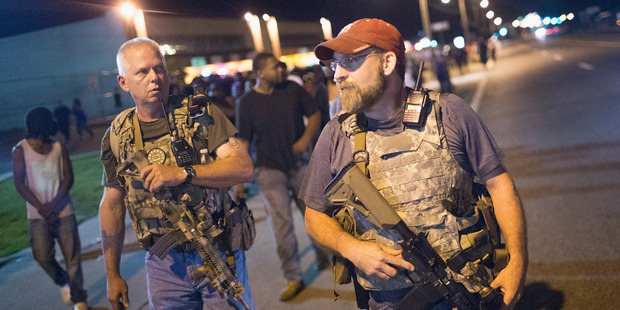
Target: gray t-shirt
[469,141]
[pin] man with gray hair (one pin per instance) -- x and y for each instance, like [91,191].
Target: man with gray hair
[169,178]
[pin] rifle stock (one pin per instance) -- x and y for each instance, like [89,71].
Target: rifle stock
[353,187]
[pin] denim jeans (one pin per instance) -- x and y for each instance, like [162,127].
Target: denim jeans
[171,285]
[42,238]
[277,190]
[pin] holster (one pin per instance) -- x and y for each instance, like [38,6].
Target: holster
[240,226]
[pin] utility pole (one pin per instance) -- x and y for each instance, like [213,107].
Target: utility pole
[426,23]
[464,21]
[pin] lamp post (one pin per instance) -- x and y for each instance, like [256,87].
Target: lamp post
[254,25]
[134,16]
[464,21]
[426,23]
[326,25]
[274,36]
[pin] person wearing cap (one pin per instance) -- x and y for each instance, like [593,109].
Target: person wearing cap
[43,177]
[425,170]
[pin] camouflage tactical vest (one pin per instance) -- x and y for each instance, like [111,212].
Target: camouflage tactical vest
[417,174]
[144,208]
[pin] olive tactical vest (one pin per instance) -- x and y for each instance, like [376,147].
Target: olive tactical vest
[144,208]
[417,175]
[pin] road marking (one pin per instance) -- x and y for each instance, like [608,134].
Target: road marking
[475,101]
[558,57]
[586,66]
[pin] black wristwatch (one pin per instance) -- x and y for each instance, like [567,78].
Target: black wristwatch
[190,173]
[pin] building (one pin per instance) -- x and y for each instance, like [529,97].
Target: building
[78,60]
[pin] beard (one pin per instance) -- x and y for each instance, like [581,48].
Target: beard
[355,99]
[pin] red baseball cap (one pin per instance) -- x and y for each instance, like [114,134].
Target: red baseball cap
[360,35]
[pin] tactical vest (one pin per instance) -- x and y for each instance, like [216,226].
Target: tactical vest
[418,176]
[144,208]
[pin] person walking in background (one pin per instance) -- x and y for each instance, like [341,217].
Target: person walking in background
[43,177]
[62,115]
[271,115]
[80,118]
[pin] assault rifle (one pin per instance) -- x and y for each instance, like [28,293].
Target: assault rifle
[187,228]
[351,186]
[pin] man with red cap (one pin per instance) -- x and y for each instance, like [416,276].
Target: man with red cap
[423,164]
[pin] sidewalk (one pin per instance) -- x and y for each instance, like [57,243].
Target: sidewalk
[24,285]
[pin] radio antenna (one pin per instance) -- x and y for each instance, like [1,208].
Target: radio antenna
[170,128]
[417,81]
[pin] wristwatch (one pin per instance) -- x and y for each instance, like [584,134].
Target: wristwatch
[190,173]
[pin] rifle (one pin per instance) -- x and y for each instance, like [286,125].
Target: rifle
[351,186]
[188,228]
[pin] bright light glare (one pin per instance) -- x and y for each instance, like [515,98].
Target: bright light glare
[128,9]
[424,43]
[205,73]
[540,33]
[223,71]
[265,17]
[248,16]
[484,4]
[490,14]
[547,20]
[167,49]
[515,23]
[445,1]
[570,16]
[459,42]
[503,32]
[434,43]
[554,21]
[497,21]
[562,17]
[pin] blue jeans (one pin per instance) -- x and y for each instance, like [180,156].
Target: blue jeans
[171,285]
[277,190]
[42,237]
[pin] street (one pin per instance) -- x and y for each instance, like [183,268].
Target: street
[554,108]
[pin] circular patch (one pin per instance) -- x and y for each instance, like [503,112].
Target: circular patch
[156,156]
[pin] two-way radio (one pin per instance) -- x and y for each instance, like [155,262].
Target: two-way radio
[416,103]
[183,152]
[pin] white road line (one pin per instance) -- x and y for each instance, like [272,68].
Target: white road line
[475,101]
[586,66]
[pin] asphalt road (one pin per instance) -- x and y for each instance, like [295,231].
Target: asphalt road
[554,108]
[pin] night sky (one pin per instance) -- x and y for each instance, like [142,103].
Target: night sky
[20,16]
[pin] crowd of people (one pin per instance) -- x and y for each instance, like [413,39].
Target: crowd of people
[272,126]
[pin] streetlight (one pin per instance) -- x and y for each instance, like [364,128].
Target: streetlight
[326,25]
[274,37]
[137,17]
[254,25]
[490,14]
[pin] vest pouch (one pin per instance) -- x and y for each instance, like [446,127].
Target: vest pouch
[475,239]
[342,267]
[240,226]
